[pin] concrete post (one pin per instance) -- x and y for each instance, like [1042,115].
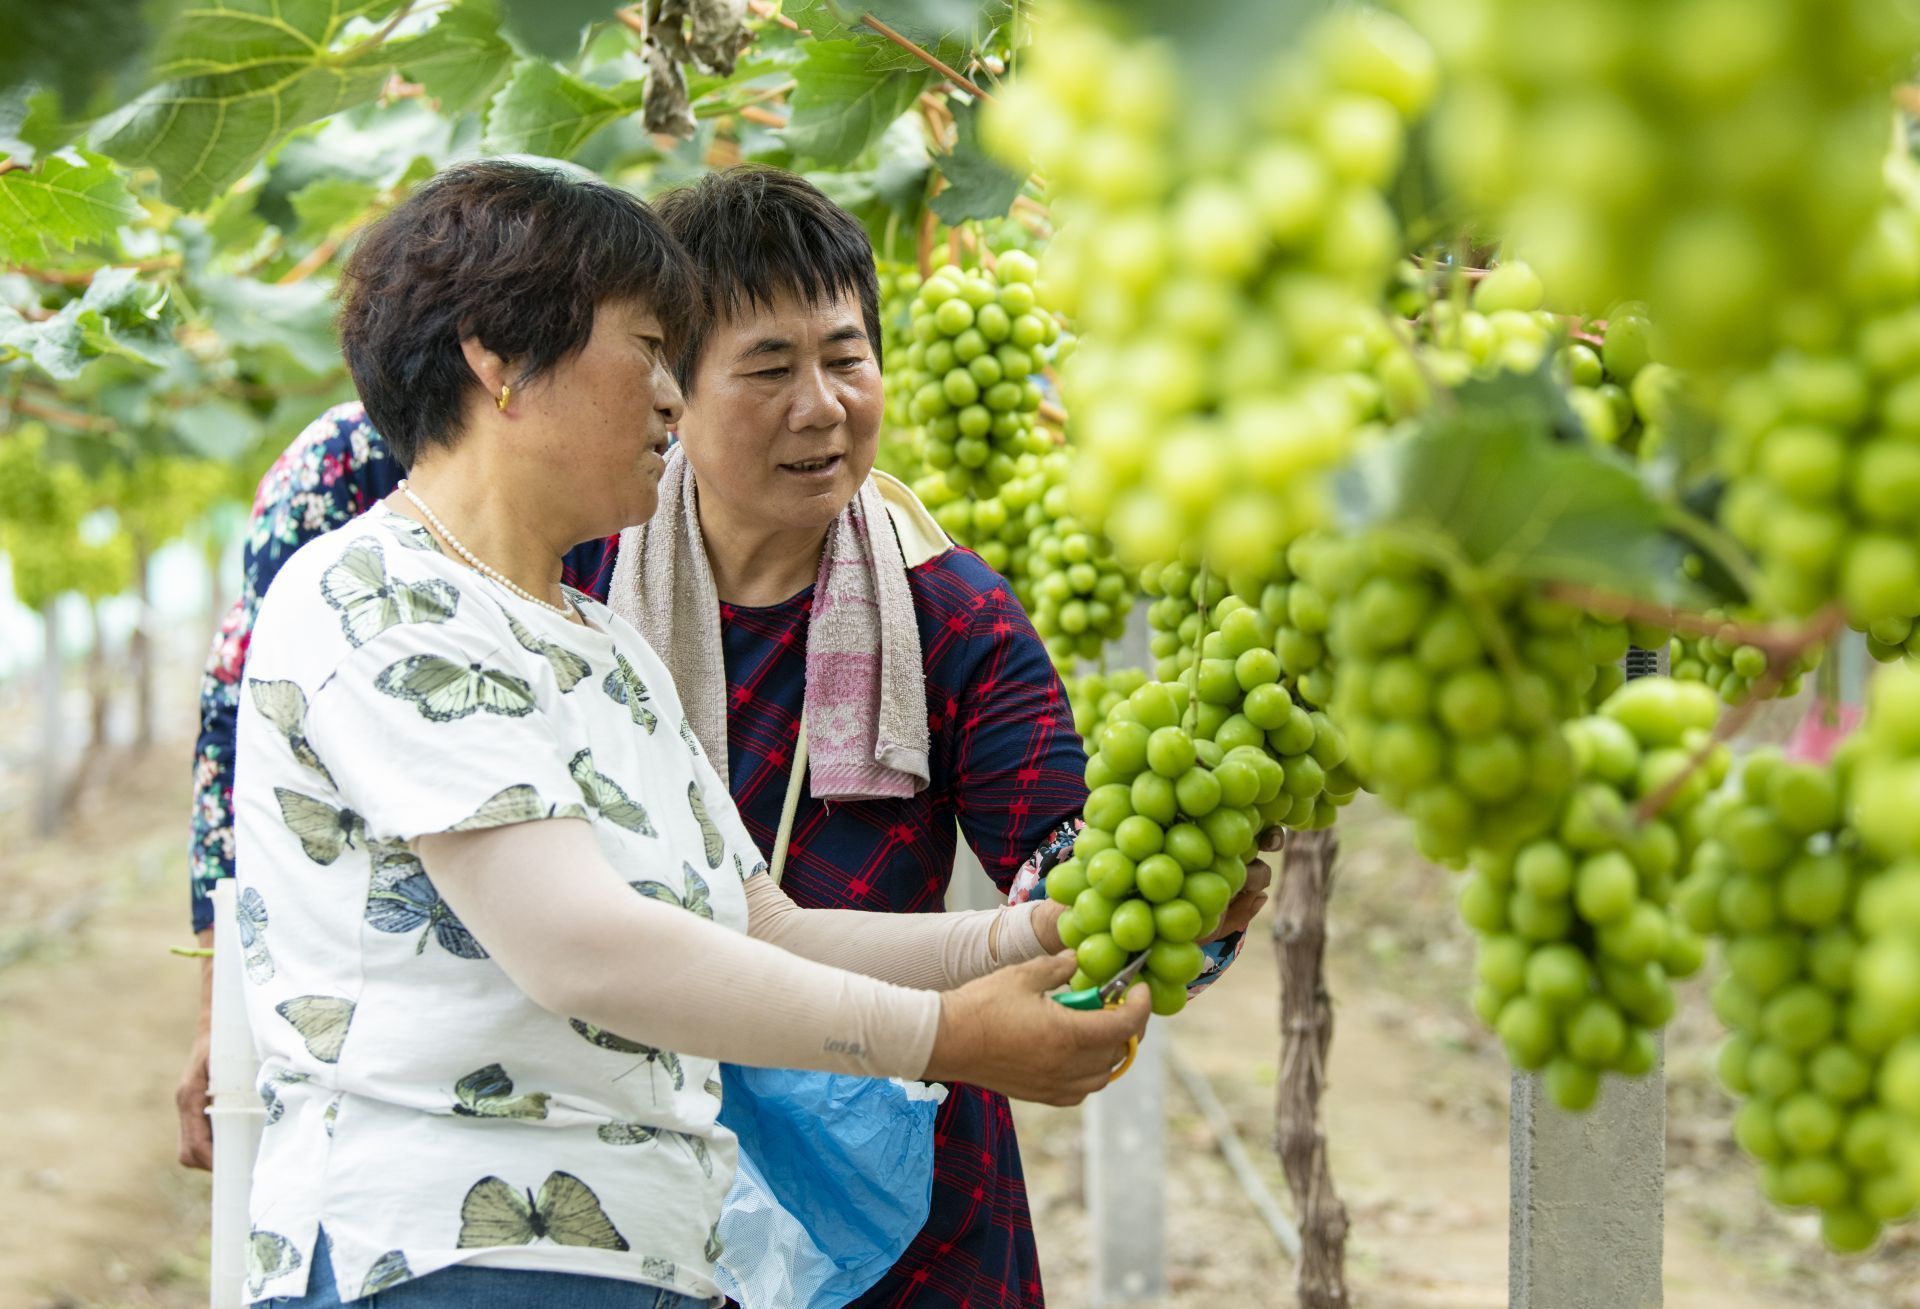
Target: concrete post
[1589,1190]
[1126,1190]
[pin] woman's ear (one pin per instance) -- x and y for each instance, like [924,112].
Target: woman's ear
[488,367]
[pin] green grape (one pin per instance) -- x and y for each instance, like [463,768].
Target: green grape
[1823,479]
[1464,741]
[1728,665]
[1219,263]
[1821,1016]
[973,398]
[1578,938]
[1635,149]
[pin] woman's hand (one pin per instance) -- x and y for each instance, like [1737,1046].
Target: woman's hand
[1003,1033]
[1046,926]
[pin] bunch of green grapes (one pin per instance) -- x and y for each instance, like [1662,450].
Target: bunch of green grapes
[1884,790]
[993,526]
[1820,453]
[1577,946]
[899,452]
[1297,612]
[1452,703]
[1216,255]
[1716,160]
[1820,993]
[1729,665]
[1170,823]
[1066,575]
[1096,693]
[1622,397]
[977,338]
[1237,644]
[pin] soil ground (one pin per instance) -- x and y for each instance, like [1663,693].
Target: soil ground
[95,1016]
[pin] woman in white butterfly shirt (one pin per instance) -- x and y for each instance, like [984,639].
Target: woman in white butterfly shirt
[500,916]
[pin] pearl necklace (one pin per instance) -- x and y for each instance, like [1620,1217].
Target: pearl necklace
[478,564]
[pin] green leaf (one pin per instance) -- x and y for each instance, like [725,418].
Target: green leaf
[978,185]
[841,105]
[237,77]
[332,202]
[543,111]
[950,30]
[1494,480]
[295,319]
[553,27]
[461,58]
[118,316]
[217,429]
[83,50]
[888,193]
[63,200]
[31,124]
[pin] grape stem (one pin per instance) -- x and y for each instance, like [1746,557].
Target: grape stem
[764,117]
[763,9]
[12,165]
[84,277]
[928,58]
[634,19]
[1716,543]
[67,418]
[1785,643]
[1780,661]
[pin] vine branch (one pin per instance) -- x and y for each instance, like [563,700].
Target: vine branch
[1779,666]
[928,58]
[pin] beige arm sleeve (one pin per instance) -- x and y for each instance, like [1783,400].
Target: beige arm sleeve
[557,918]
[934,952]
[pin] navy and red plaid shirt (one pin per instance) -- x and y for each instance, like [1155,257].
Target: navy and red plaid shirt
[1005,763]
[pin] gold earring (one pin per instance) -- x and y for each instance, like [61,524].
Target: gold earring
[506,391]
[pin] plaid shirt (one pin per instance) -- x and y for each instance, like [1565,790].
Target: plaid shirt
[1006,764]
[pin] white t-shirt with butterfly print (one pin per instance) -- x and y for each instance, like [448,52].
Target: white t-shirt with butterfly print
[420,1106]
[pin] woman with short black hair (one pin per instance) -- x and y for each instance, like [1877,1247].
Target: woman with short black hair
[500,910]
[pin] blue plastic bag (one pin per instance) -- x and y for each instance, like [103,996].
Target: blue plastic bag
[834,1182]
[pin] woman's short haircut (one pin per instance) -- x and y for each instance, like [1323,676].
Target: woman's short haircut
[514,255]
[755,232]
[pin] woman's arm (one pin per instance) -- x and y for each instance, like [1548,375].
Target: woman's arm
[561,923]
[936,952]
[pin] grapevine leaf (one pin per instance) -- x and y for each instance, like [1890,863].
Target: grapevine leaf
[950,30]
[553,27]
[82,50]
[31,124]
[1496,481]
[295,319]
[118,316]
[66,198]
[236,77]
[332,202]
[887,194]
[841,105]
[543,111]
[978,185]
[217,429]
[462,58]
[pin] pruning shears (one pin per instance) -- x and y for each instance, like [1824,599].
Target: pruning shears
[1108,996]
